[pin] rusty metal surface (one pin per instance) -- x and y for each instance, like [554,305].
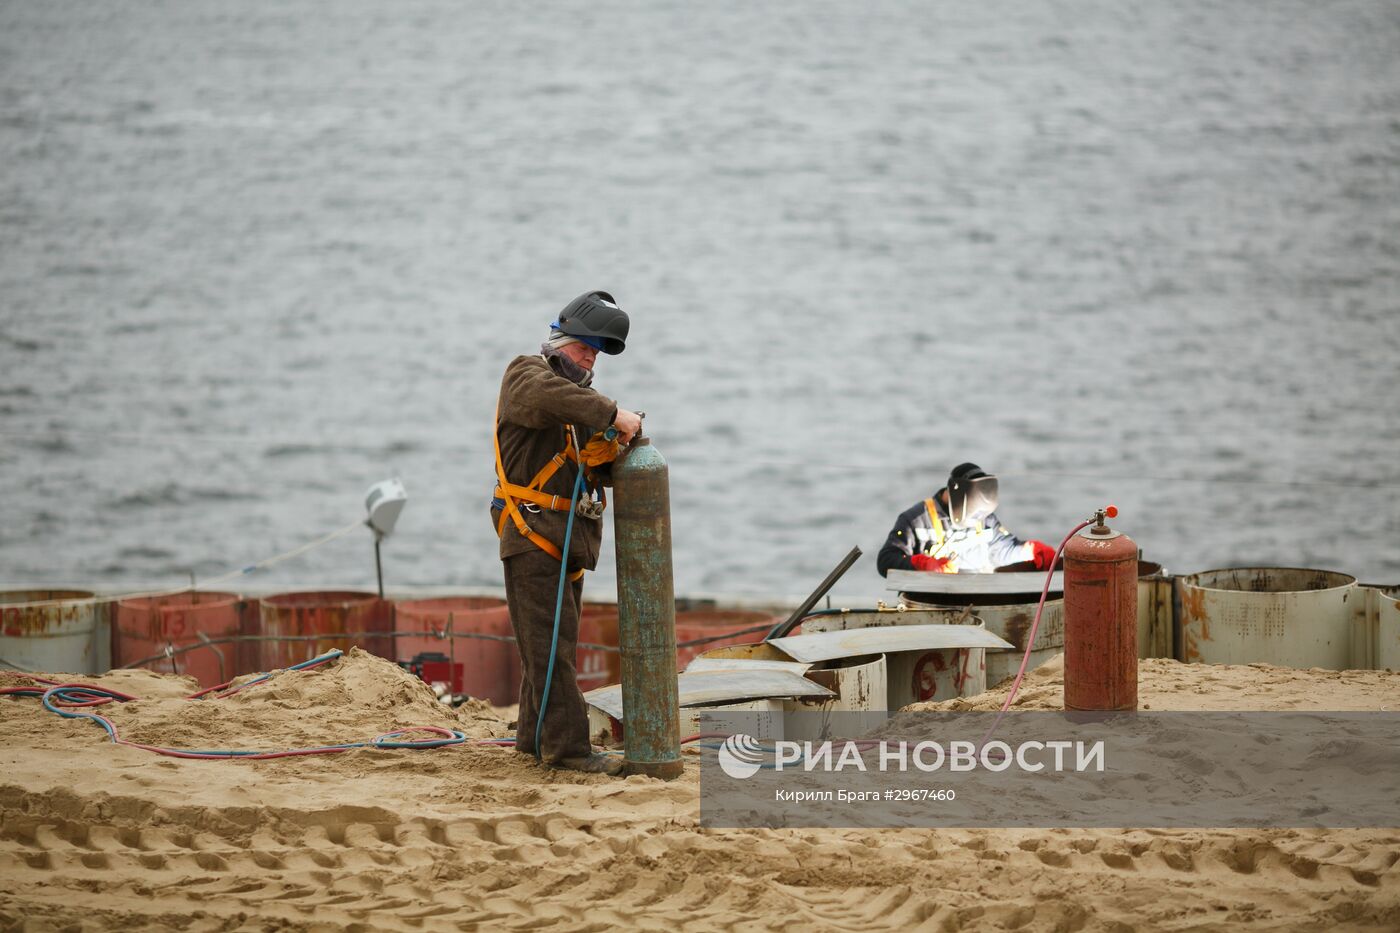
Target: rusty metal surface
[490,669]
[1154,622]
[745,664]
[646,612]
[1387,651]
[859,685]
[43,613]
[597,625]
[1269,580]
[972,584]
[862,686]
[826,646]
[1101,619]
[925,676]
[705,623]
[1289,616]
[329,614]
[695,689]
[762,651]
[144,626]
[892,615]
[766,716]
[1375,628]
[1013,622]
[54,630]
[1003,665]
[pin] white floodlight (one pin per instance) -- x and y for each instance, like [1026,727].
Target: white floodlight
[384,502]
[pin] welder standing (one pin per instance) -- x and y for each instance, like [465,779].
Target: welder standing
[548,427]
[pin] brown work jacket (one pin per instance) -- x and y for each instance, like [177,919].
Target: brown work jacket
[536,407]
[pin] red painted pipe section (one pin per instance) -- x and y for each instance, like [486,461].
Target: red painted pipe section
[490,668]
[143,626]
[330,616]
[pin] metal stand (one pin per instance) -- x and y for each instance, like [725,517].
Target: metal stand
[378,567]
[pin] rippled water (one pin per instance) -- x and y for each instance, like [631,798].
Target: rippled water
[255,257]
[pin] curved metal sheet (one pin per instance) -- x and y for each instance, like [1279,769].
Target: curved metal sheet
[827,646]
[703,663]
[973,584]
[701,687]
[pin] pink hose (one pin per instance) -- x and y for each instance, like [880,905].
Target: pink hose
[1030,636]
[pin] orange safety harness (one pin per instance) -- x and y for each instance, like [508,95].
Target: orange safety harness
[534,494]
[937,524]
[938,535]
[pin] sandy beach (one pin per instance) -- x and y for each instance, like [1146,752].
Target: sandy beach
[98,836]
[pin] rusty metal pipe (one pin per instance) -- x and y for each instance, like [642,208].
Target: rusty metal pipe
[646,612]
[784,628]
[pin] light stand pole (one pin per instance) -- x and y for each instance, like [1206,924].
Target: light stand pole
[378,566]
[383,504]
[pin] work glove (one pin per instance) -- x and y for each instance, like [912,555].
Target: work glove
[1042,553]
[931,564]
[600,450]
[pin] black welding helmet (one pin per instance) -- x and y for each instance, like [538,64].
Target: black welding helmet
[972,495]
[596,320]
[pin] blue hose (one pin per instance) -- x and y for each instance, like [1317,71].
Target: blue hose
[558,609]
[51,697]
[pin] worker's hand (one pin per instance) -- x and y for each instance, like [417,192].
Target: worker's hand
[1042,553]
[931,564]
[627,423]
[599,450]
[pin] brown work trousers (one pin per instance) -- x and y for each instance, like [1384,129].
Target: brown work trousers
[532,586]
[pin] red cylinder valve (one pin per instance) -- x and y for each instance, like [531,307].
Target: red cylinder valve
[1101,620]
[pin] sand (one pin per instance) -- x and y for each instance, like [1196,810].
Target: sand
[96,836]
[1164,684]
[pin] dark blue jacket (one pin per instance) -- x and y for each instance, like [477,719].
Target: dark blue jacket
[926,529]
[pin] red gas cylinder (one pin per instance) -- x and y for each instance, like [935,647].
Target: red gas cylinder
[1101,619]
